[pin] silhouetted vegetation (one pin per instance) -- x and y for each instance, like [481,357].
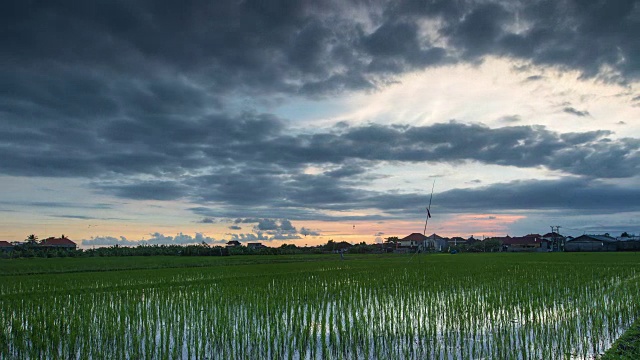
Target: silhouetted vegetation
[31,249]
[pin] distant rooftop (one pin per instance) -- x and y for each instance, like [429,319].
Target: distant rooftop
[58,242]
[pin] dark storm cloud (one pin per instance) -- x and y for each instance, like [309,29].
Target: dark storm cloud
[58,204]
[93,89]
[396,47]
[480,29]
[576,195]
[253,159]
[154,145]
[267,224]
[589,153]
[277,229]
[230,211]
[139,96]
[73,60]
[580,196]
[253,167]
[147,190]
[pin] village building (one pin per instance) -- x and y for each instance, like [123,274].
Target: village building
[591,243]
[233,243]
[531,242]
[437,242]
[255,245]
[456,241]
[471,240]
[628,243]
[58,243]
[5,246]
[556,241]
[412,241]
[417,241]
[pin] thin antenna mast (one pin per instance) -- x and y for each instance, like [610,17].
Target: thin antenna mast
[429,210]
[426,222]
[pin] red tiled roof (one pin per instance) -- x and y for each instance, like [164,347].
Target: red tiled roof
[414,237]
[58,242]
[5,244]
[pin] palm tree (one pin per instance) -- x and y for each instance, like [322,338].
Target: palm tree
[32,239]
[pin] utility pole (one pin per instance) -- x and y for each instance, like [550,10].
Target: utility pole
[555,231]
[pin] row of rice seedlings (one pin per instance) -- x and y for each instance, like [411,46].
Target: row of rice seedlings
[349,311]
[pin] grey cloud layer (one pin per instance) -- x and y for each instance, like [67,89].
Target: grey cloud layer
[262,145]
[143,51]
[138,96]
[254,161]
[579,195]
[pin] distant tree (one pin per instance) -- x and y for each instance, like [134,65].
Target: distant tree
[392,240]
[343,245]
[32,239]
[330,246]
[492,245]
[625,234]
[362,248]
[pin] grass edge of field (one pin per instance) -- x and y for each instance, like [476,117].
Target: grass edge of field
[626,346]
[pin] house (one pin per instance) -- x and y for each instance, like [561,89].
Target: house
[6,246]
[556,241]
[254,245]
[412,241]
[419,241]
[456,241]
[531,242]
[437,242]
[628,243]
[592,243]
[58,243]
[233,243]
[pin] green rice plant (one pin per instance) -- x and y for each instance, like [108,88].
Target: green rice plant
[504,306]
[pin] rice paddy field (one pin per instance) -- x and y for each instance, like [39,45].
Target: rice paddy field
[465,306]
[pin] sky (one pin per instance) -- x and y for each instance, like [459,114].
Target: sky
[158,122]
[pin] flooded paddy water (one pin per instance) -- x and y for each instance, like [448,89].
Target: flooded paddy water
[503,306]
